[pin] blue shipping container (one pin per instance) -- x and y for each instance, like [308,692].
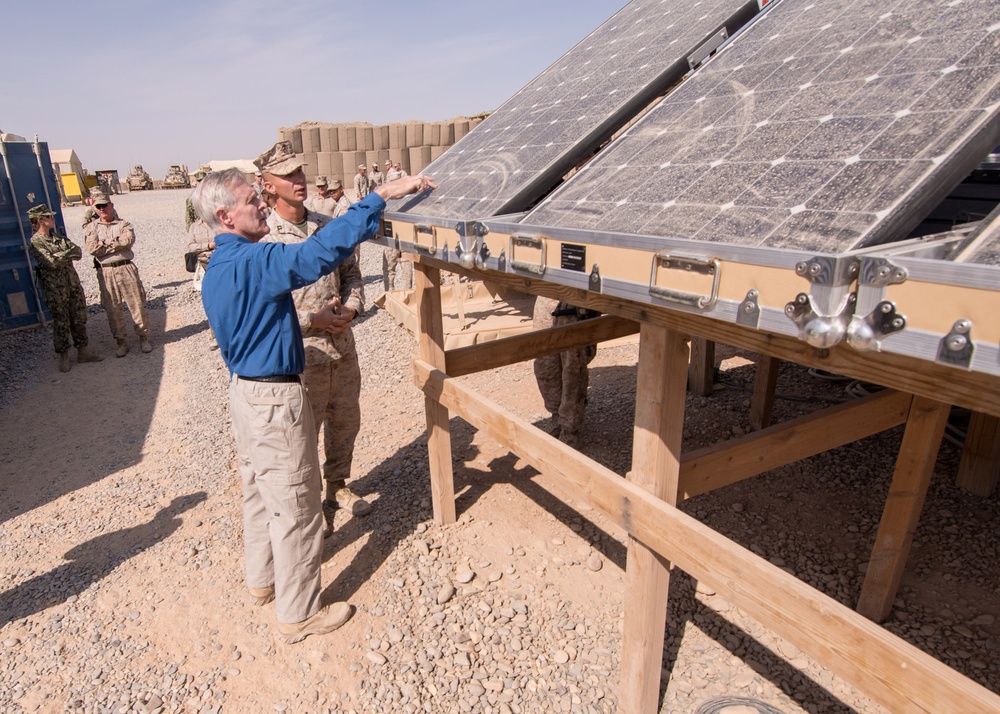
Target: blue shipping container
[26,179]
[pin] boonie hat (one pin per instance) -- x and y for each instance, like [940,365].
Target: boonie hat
[39,211]
[279,160]
[321,181]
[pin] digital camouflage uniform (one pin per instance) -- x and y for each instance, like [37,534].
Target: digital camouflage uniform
[54,256]
[363,185]
[111,245]
[332,376]
[563,378]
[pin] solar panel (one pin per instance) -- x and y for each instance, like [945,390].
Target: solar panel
[527,145]
[825,126]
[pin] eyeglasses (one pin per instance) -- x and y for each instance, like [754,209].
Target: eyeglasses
[102,205]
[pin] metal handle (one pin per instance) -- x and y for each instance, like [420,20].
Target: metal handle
[526,241]
[702,266]
[425,229]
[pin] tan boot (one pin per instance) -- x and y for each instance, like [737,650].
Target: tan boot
[85,355]
[122,348]
[144,345]
[326,620]
[65,364]
[262,596]
[352,502]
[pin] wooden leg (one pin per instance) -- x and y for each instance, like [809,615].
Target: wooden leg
[427,284]
[659,417]
[914,466]
[764,384]
[980,466]
[701,371]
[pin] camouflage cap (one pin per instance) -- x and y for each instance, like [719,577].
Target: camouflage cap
[39,211]
[335,184]
[279,160]
[362,166]
[321,181]
[388,162]
[199,175]
[100,198]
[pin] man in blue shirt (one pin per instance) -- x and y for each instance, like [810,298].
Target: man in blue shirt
[247,297]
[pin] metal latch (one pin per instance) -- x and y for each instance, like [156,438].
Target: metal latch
[424,229]
[866,333]
[956,347]
[702,266]
[707,48]
[748,312]
[820,330]
[521,244]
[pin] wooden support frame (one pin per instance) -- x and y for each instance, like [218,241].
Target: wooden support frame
[764,383]
[701,370]
[893,672]
[890,671]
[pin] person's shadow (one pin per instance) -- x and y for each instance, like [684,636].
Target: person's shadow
[92,561]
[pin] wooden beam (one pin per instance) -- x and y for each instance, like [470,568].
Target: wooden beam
[979,468]
[973,390]
[890,671]
[701,370]
[427,285]
[510,350]
[728,462]
[656,453]
[914,466]
[764,383]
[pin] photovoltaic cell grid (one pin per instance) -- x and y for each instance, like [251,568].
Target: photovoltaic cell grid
[819,128]
[546,119]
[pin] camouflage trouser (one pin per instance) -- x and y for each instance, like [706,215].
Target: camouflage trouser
[390,259]
[69,315]
[121,285]
[334,390]
[562,378]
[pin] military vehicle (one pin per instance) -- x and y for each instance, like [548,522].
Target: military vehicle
[177,177]
[139,180]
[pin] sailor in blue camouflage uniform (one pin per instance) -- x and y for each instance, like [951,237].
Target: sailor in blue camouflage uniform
[54,254]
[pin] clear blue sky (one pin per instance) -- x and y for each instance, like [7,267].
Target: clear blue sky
[185,82]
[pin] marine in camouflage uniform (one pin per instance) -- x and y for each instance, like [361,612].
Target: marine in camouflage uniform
[332,376]
[563,378]
[110,241]
[377,177]
[321,201]
[362,182]
[54,254]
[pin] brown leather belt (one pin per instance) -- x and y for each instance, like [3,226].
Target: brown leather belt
[274,378]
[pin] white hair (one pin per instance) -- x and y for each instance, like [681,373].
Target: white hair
[217,190]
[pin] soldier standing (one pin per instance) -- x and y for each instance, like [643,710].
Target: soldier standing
[321,201]
[337,194]
[394,172]
[54,254]
[332,375]
[563,378]
[362,183]
[190,217]
[110,239]
[377,177]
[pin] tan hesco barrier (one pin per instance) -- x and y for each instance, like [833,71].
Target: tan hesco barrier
[447,130]
[293,135]
[402,156]
[432,134]
[461,128]
[420,156]
[436,151]
[371,157]
[348,138]
[414,134]
[366,138]
[310,140]
[474,122]
[397,136]
[381,138]
[311,161]
[324,164]
[329,139]
[351,161]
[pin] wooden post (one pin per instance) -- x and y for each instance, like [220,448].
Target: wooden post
[764,383]
[980,465]
[427,285]
[659,417]
[914,466]
[701,370]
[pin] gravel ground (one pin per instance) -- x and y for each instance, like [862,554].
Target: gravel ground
[121,584]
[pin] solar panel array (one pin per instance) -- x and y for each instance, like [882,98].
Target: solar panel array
[541,127]
[825,126]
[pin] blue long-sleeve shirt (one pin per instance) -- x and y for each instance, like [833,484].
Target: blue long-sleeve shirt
[247,290]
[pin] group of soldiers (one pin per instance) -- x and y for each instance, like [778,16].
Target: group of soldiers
[110,240]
